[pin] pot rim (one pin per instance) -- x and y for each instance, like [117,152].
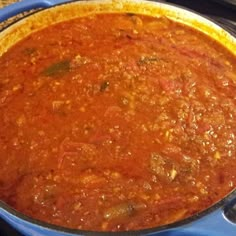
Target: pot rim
[163,228]
[180,14]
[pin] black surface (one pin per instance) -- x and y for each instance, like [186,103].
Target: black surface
[219,8]
[232,3]
[209,7]
[6,230]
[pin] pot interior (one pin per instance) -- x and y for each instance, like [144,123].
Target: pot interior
[68,11]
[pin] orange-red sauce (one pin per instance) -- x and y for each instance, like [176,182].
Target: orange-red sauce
[116,122]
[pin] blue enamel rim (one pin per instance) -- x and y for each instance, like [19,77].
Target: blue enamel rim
[222,203]
[176,225]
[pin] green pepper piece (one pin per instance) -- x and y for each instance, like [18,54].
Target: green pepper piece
[58,68]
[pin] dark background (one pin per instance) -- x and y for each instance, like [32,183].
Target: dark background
[219,8]
[209,7]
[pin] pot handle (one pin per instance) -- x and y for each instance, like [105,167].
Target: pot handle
[26,5]
[220,222]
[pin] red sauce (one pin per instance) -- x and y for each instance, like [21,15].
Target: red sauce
[116,122]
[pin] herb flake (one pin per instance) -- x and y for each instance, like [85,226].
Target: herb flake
[104,85]
[145,60]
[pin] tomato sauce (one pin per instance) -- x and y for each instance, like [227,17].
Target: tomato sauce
[116,122]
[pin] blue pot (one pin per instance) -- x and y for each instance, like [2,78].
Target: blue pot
[218,220]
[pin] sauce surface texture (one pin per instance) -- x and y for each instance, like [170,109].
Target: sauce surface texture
[116,122]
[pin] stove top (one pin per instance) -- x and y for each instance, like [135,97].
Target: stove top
[232,3]
[220,8]
[6,230]
[222,11]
